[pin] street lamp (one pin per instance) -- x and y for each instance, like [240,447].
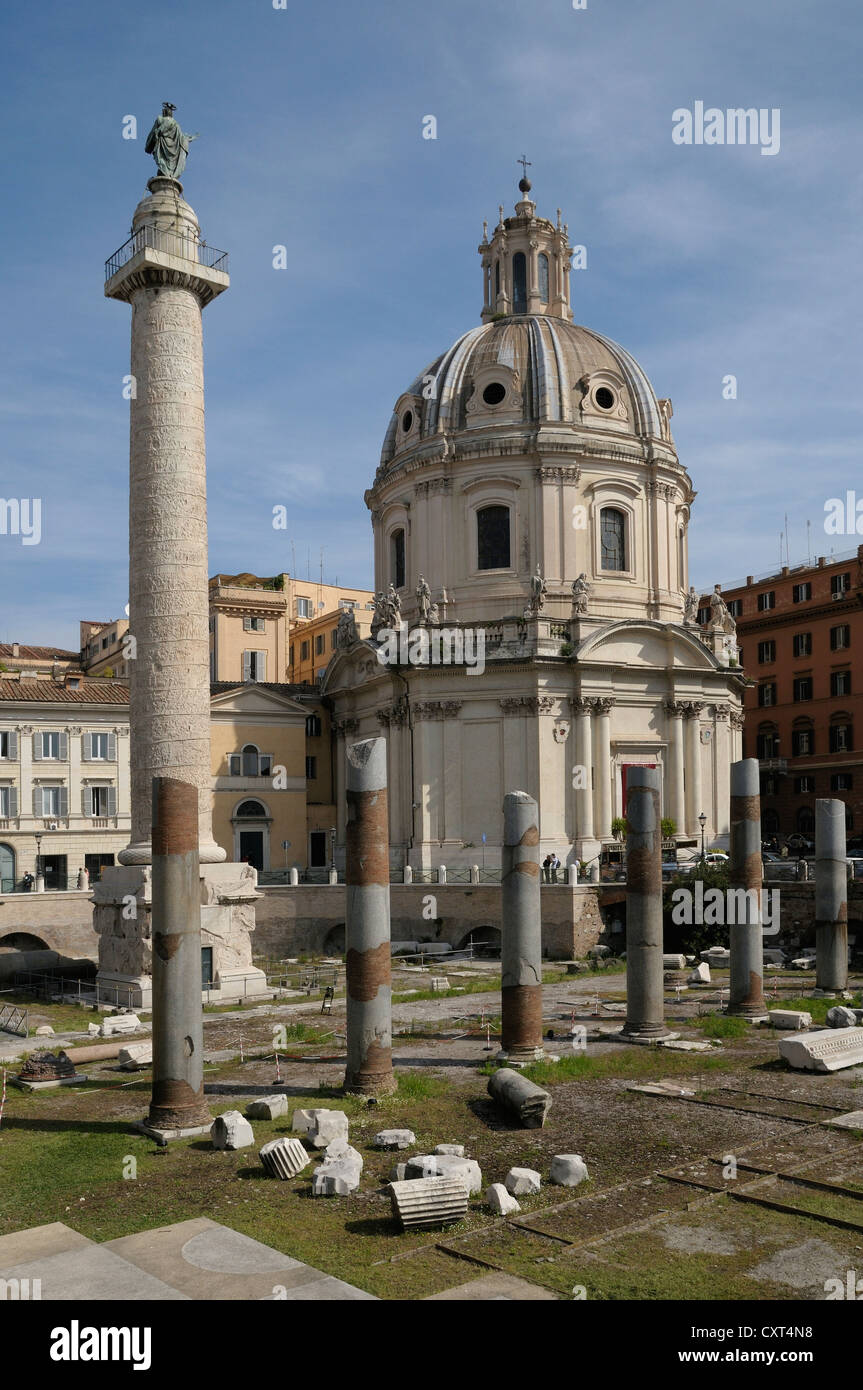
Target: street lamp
[333,847]
[38,859]
[702,821]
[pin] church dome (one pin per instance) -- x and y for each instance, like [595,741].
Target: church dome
[533,369]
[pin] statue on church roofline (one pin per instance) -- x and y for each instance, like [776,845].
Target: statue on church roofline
[690,606]
[168,143]
[720,618]
[580,595]
[538,591]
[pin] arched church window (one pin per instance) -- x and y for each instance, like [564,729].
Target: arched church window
[252,809]
[519,283]
[492,538]
[397,559]
[250,760]
[612,535]
[543,277]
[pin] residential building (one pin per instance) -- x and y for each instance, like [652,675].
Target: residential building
[258,626]
[314,642]
[800,631]
[65,779]
[36,663]
[104,651]
[64,776]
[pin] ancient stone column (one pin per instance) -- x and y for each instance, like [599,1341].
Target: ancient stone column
[177,1100]
[694,805]
[831,897]
[745,934]
[367,921]
[582,709]
[521,931]
[676,792]
[164,278]
[645,1000]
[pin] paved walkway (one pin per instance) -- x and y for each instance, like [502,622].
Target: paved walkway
[197,1259]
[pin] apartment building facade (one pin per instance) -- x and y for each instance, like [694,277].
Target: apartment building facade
[277,629]
[801,636]
[64,777]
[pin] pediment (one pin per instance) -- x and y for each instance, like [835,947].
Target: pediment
[646,644]
[354,666]
[250,699]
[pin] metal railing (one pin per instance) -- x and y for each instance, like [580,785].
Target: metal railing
[90,991]
[14,1019]
[173,244]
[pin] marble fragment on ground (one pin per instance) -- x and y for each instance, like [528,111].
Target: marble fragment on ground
[829,1049]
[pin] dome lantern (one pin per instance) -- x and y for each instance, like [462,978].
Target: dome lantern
[526,264]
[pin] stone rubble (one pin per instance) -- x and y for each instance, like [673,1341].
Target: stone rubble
[500,1200]
[568,1170]
[231,1131]
[284,1158]
[267,1108]
[522,1182]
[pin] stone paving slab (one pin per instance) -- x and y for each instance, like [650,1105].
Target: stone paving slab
[208,1261]
[88,1273]
[39,1241]
[189,1260]
[493,1288]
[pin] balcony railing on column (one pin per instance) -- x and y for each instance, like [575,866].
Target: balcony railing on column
[173,244]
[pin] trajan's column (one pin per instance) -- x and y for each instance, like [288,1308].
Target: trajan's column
[168,276]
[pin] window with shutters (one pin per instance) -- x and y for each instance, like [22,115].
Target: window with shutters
[804,784]
[304,607]
[801,592]
[99,750]
[802,644]
[840,583]
[840,637]
[254,666]
[802,688]
[254,624]
[98,801]
[767,694]
[840,682]
[313,726]
[8,745]
[841,737]
[842,782]
[319,644]
[50,801]
[304,651]
[4,803]
[766,652]
[766,601]
[50,745]
[802,742]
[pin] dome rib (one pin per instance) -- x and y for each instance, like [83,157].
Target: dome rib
[550,356]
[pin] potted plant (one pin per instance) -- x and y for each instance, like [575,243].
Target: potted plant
[618,827]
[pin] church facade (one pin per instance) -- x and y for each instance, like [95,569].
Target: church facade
[534,627]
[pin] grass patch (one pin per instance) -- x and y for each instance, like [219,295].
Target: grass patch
[722,1026]
[818,1008]
[631,1063]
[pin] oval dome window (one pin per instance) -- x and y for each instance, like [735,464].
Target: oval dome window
[494,393]
[604,398]
[407,420]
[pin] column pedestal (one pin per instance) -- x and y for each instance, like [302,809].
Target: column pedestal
[122,905]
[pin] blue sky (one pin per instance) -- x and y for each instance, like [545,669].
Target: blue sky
[703,261]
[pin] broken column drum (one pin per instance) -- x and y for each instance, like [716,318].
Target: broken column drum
[368,976]
[521,931]
[746,936]
[831,897]
[645,1000]
[177,1100]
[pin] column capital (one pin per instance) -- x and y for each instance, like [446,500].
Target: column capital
[675,708]
[693,708]
[604,703]
[581,704]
